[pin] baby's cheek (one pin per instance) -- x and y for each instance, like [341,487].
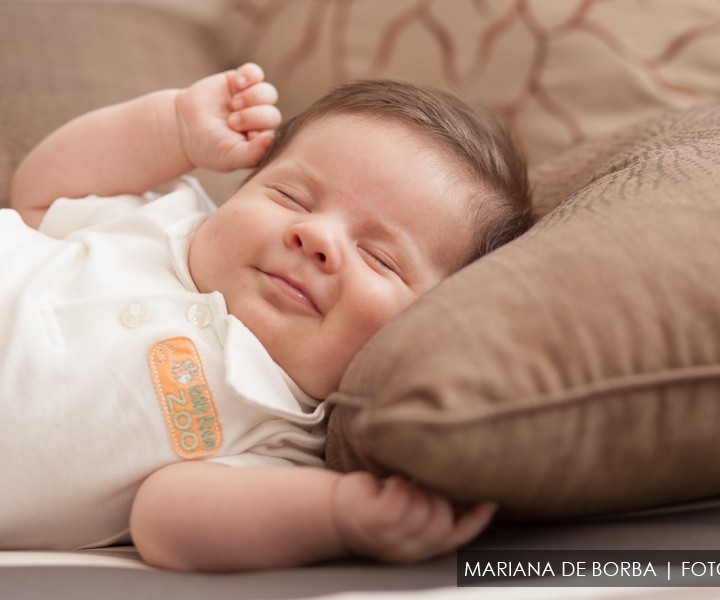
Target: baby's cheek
[345,338]
[379,309]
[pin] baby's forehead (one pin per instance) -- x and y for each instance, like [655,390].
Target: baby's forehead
[424,187]
[402,126]
[453,167]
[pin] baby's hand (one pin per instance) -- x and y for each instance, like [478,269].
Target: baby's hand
[398,521]
[225,121]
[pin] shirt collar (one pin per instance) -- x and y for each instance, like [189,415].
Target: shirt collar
[179,236]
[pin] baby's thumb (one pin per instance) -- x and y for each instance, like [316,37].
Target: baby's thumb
[471,522]
[257,146]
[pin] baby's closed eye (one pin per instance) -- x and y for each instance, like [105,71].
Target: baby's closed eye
[379,260]
[290,198]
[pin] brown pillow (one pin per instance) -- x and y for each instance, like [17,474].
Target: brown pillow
[60,59]
[577,369]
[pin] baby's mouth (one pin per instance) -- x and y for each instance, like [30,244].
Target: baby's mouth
[294,292]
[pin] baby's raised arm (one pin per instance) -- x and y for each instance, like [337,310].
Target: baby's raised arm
[220,122]
[204,516]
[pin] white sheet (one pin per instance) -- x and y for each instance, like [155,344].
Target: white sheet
[127,558]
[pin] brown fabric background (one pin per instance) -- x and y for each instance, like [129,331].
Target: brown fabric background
[576,370]
[58,60]
[560,72]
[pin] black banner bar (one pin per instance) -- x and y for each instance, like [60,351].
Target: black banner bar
[588,568]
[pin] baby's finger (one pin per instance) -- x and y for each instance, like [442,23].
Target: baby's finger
[249,153]
[256,95]
[245,76]
[469,525]
[422,508]
[255,118]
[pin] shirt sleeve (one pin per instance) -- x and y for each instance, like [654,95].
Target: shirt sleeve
[251,459]
[67,215]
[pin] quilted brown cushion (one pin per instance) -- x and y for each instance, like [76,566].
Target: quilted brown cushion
[577,369]
[58,60]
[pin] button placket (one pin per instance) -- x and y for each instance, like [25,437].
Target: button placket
[133,315]
[199,315]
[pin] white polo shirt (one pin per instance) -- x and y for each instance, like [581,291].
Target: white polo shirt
[113,364]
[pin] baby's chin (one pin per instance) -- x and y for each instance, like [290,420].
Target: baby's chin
[316,387]
[313,379]
[318,374]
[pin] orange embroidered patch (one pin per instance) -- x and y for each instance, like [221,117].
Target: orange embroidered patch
[185,398]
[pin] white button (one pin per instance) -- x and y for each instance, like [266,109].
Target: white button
[133,315]
[199,315]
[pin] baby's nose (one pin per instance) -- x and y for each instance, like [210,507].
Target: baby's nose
[319,243]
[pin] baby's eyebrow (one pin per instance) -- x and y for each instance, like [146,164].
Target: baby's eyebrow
[379,229]
[311,177]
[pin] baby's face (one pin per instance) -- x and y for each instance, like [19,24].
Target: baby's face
[353,221]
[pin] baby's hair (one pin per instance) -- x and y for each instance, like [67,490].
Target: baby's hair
[470,132]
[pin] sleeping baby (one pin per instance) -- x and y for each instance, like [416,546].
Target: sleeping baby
[164,361]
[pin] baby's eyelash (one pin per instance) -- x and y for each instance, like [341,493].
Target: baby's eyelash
[285,196]
[381,262]
[385,265]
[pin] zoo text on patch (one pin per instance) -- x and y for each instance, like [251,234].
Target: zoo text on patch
[185,398]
